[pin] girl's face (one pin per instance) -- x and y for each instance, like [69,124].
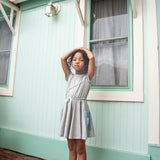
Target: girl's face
[78,63]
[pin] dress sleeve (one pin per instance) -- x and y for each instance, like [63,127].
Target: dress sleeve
[67,77]
[87,77]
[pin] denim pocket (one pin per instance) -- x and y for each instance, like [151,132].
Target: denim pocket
[87,120]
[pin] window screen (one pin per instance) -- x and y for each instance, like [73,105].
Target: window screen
[109,42]
[5,48]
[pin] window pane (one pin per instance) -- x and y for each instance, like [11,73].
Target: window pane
[108,18]
[5,36]
[4,64]
[111,60]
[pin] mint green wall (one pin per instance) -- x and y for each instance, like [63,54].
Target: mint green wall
[40,86]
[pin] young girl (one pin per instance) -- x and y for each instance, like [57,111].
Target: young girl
[76,122]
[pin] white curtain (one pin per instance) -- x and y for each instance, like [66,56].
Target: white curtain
[109,19]
[5,44]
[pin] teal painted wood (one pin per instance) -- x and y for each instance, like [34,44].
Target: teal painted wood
[34,145]
[158,16]
[108,39]
[51,149]
[154,151]
[130,45]
[40,86]
[7,10]
[158,30]
[4,51]
[30,4]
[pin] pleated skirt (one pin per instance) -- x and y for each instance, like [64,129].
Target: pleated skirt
[76,120]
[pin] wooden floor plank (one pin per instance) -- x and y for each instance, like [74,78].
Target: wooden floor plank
[11,155]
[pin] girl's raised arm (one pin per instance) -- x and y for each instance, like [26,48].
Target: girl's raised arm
[64,63]
[91,65]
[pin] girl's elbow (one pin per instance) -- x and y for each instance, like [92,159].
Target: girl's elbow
[90,76]
[63,58]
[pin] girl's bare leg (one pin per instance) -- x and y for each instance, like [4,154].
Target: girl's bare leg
[81,149]
[72,149]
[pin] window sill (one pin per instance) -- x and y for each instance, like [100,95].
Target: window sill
[6,91]
[115,96]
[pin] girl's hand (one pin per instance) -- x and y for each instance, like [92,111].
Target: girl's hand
[83,48]
[89,53]
[78,48]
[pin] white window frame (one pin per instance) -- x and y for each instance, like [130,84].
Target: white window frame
[136,95]
[9,91]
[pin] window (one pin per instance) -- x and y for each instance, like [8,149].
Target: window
[5,51]
[9,30]
[116,39]
[110,40]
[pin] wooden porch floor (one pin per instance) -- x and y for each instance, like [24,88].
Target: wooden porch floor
[11,155]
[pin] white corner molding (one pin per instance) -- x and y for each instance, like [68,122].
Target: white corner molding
[79,10]
[153,67]
[134,10]
[137,94]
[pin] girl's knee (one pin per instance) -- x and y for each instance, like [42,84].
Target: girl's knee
[81,148]
[71,145]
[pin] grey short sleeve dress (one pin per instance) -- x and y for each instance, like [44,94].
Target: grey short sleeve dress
[76,121]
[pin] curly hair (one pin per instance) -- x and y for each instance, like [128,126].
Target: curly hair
[70,58]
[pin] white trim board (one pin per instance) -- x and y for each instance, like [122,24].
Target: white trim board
[153,73]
